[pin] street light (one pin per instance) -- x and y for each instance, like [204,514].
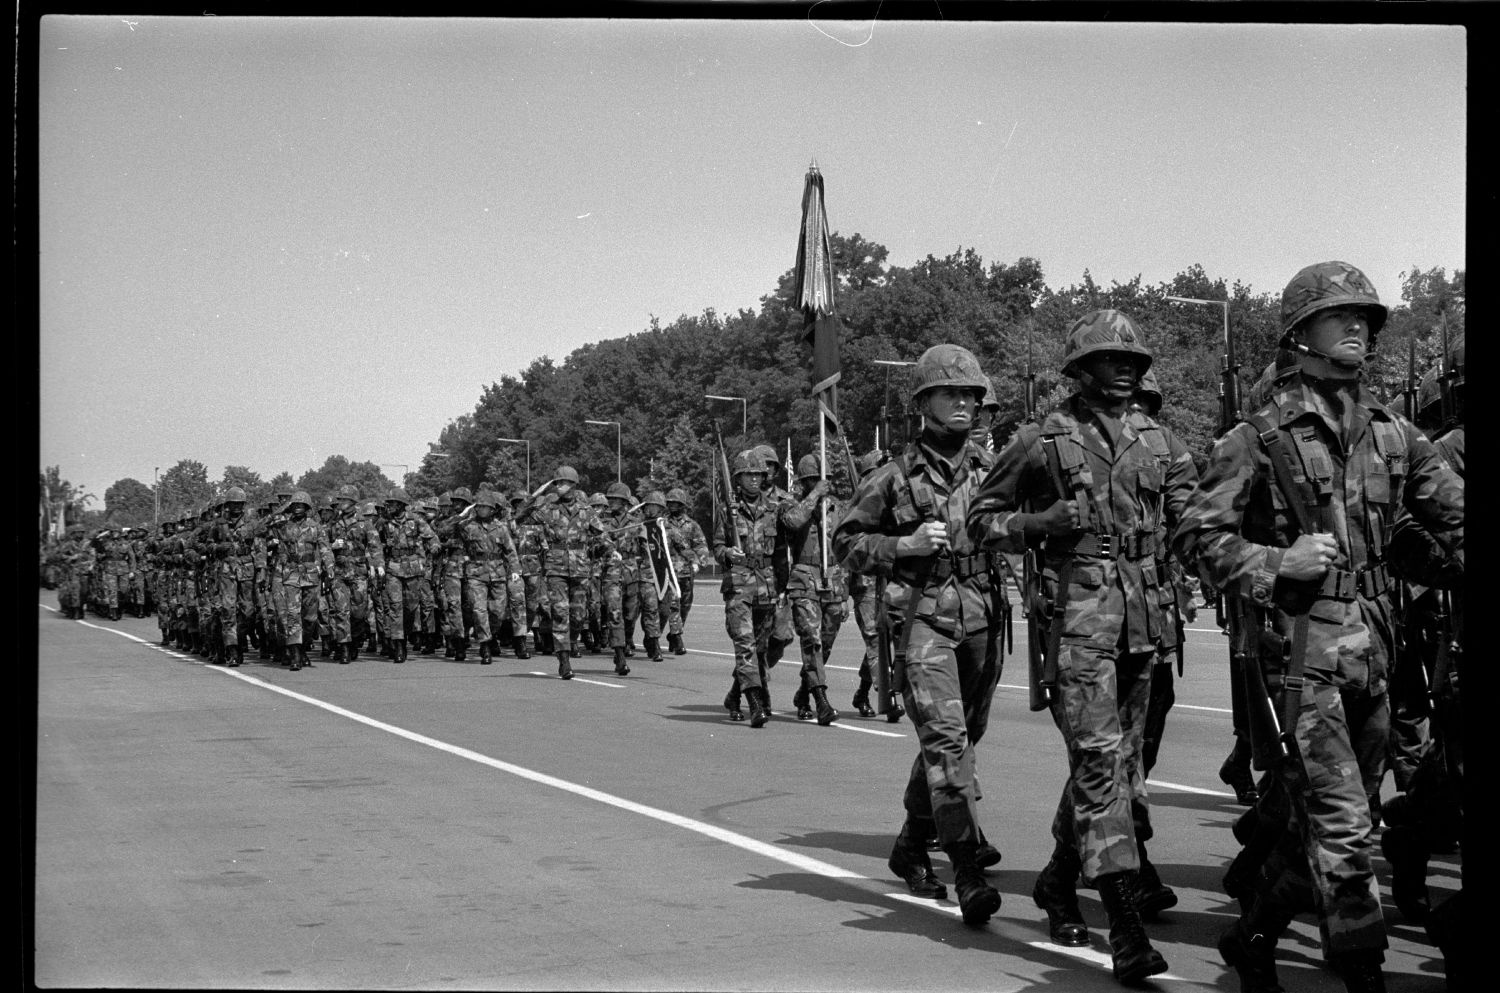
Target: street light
[885,411]
[527,443]
[619,478]
[1229,400]
[744,409]
[156,496]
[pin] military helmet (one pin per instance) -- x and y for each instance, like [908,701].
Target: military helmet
[301,497]
[1150,392]
[991,400]
[598,500]
[486,498]
[871,460]
[767,456]
[947,365]
[654,496]
[349,492]
[462,493]
[617,491]
[747,461]
[518,495]
[444,500]
[1429,401]
[398,495]
[807,467]
[566,472]
[1325,285]
[234,495]
[1102,331]
[367,509]
[284,493]
[677,495]
[328,501]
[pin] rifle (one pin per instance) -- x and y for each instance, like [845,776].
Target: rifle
[1410,673]
[731,536]
[1041,673]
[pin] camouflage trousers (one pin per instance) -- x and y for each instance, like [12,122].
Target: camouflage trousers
[68,597]
[347,607]
[538,615]
[299,613]
[161,595]
[138,590]
[107,589]
[235,606]
[868,622]
[1100,708]
[950,682]
[409,606]
[455,604]
[817,624]
[494,601]
[1324,860]
[750,626]
[272,607]
[669,611]
[568,598]
[621,605]
[640,601]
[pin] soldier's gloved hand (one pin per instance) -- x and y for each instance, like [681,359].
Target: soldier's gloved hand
[1310,557]
[1059,519]
[929,537]
[734,556]
[819,490]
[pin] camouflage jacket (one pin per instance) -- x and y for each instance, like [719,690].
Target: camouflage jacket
[489,550]
[306,559]
[449,560]
[1238,524]
[629,542]
[688,547]
[802,534]
[405,543]
[571,534]
[350,540]
[1134,491]
[233,544]
[755,526]
[530,545]
[117,556]
[955,590]
[1415,554]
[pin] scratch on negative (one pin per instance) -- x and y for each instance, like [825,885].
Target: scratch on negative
[846,44]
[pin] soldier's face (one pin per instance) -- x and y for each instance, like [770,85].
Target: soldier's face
[616,505]
[952,408]
[234,509]
[676,509]
[1114,375]
[652,511]
[484,512]
[751,483]
[299,511]
[394,508]
[1341,333]
[564,488]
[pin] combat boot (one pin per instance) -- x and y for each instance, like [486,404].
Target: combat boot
[303,657]
[327,647]
[519,644]
[1249,947]
[653,647]
[265,647]
[397,650]
[1056,892]
[977,899]
[732,702]
[1152,895]
[802,704]
[987,854]
[238,659]
[341,653]
[564,667]
[674,642]
[909,861]
[1407,852]
[1133,957]
[296,655]
[826,714]
[114,613]
[351,651]
[450,647]
[1360,970]
[630,649]
[1235,773]
[621,669]
[461,651]
[760,711]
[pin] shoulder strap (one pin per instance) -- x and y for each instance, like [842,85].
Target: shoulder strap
[1069,468]
[1298,496]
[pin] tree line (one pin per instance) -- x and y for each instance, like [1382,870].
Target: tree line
[654,382]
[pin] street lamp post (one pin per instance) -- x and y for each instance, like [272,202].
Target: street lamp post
[527,443]
[156,496]
[1229,400]
[744,409]
[619,478]
[885,404]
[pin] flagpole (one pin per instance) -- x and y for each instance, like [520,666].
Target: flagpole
[822,500]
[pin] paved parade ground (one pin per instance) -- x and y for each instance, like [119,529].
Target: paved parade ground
[442,825]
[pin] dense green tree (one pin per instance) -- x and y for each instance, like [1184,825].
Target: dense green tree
[184,489]
[129,503]
[338,471]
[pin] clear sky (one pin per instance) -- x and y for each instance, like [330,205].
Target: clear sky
[267,241]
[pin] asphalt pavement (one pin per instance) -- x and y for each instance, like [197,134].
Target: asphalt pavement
[446,825]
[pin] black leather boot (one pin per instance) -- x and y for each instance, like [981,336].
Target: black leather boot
[674,641]
[398,650]
[653,647]
[1134,958]
[976,897]
[1235,773]
[621,669]
[1152,895]
[1056,892]
[484,653]
[450,647]
[1360,970]
[732,702]
[295,656]
[519,644]
[909,861]
[564,667]
[826,714]
[238,658]
[988,854]
[1407,852]
[351,651]
[802,703]
[760,711]
[1253,956]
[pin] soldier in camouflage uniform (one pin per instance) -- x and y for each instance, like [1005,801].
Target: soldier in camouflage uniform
[327,510]
[1294,515]
[400,561]
[72,557]
[783,632]
[619,583]
[372,515]
[596,631]
[307,567]
[689,551]
[234,570]
[571,532]
[491,563]
[866,604]
[1094,485]
[818,599]
[349,538]
[749,585]
[141,575]
[161,576]
[531,549]
[905,523]
[117,567]
[449,573]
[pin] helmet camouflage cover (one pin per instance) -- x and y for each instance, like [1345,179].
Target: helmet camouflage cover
[1102,331]
[747,461]
[677,495]
[566,472]
[654,497]
[617,491]
[947,366]
[807,467]
[1330,284]
[398,495]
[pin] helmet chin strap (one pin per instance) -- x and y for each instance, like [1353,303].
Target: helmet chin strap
[1343,363]
[1095,386]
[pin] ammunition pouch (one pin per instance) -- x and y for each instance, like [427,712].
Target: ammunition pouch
[966,567]
[1370,582]
[1142,544]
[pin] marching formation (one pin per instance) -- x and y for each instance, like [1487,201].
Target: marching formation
[1326,528]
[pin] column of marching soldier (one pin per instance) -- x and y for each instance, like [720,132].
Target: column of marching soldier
[1317,516]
